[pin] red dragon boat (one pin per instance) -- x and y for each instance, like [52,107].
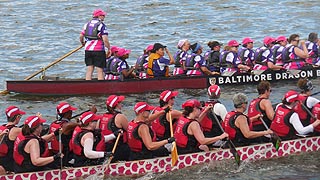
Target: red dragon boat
[58,86]
[160,165]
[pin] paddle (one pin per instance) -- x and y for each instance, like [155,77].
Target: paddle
[174,151]
[275,139]
[48,66]
[77,115]
[230,143]
[307,110]
[113,151]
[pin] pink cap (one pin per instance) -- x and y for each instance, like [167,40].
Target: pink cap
[181,42]
[140,107]
[233,43]
[167,95]
[88,117]
[64,107]
[114,49]
[191,103]
[149,48]
[33,121]
[98,12]
[214,90]
[281,38]
[247,40]
[292,96]
[13,110]
[113,100]
[268,40]
[121,52]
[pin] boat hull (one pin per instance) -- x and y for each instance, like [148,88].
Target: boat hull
[82,87]
[160,165]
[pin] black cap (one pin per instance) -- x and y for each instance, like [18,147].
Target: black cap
[157,46]
[213,44]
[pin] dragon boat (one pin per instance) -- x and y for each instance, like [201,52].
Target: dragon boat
[58,86]
[161,165]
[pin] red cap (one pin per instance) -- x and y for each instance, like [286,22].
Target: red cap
[140,107]
[191,103]
[281,38]
[64,107]
[214,90]
[268,40]
[122,51]
[113,100]
[114,49]
[13,110]
[98,12]
[88,117]
[233,43]
[33,121]
[292,96]
[167,95]
[247,40]
[149,48]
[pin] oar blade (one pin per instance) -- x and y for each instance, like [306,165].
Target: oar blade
[174,155]
[234,152]
[276,141]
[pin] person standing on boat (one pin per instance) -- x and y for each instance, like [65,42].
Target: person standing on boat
[263,56]
[195,63]
[142,62]
[306,99]
[229,59]
[286,122]
[161,125]
[180,57]
[246,53]
[112,122]
[237,124]
[292,56]
[94,36]
[141,138]
[64,114]
[277,49]
[157,64]
[13,115]
[261,107]
[88,145]
[188,133]
[31,151]
[212,56]
[209,124]
[312,45]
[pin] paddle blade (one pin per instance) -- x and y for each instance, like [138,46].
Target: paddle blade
[174,154]
[276,141]
[234,152]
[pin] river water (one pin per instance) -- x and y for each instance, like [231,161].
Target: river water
[36,32]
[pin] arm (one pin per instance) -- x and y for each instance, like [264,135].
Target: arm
[242,124]
[170,56]
[156,115]
[128,72]
[220,110]
[204,112]
[48,137]
[311,101]
[106,44]
[14,133]
[273,67]
[81,38]
[296,123]
[33,148]
[267,107]
[302,53]
[143,132]
[121,121]
[87,143]
[194,129]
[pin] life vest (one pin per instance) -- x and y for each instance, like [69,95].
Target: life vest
[92,32]
[259,57]
[190,62]
[303,115]
[114,66]
[276,55]
[223,60]
[141,61]
[280,123]
[161,126]
[254,109]
[23,158]
[316,112]
[6,147]
[209,124]
[178,58]
[212,59]
[53,127]
[313,52]
[288,54]
[134,140]
[108,126]
[152,58]
[108,64]
[183,139]
[234,132]
[75,143]
[246,60]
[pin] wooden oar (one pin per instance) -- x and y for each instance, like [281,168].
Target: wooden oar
[232,147]
[308,111]
[48,66]
[275,139]
[77,115]
[111,157]
[174,151]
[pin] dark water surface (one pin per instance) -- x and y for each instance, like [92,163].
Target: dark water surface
[35,33]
